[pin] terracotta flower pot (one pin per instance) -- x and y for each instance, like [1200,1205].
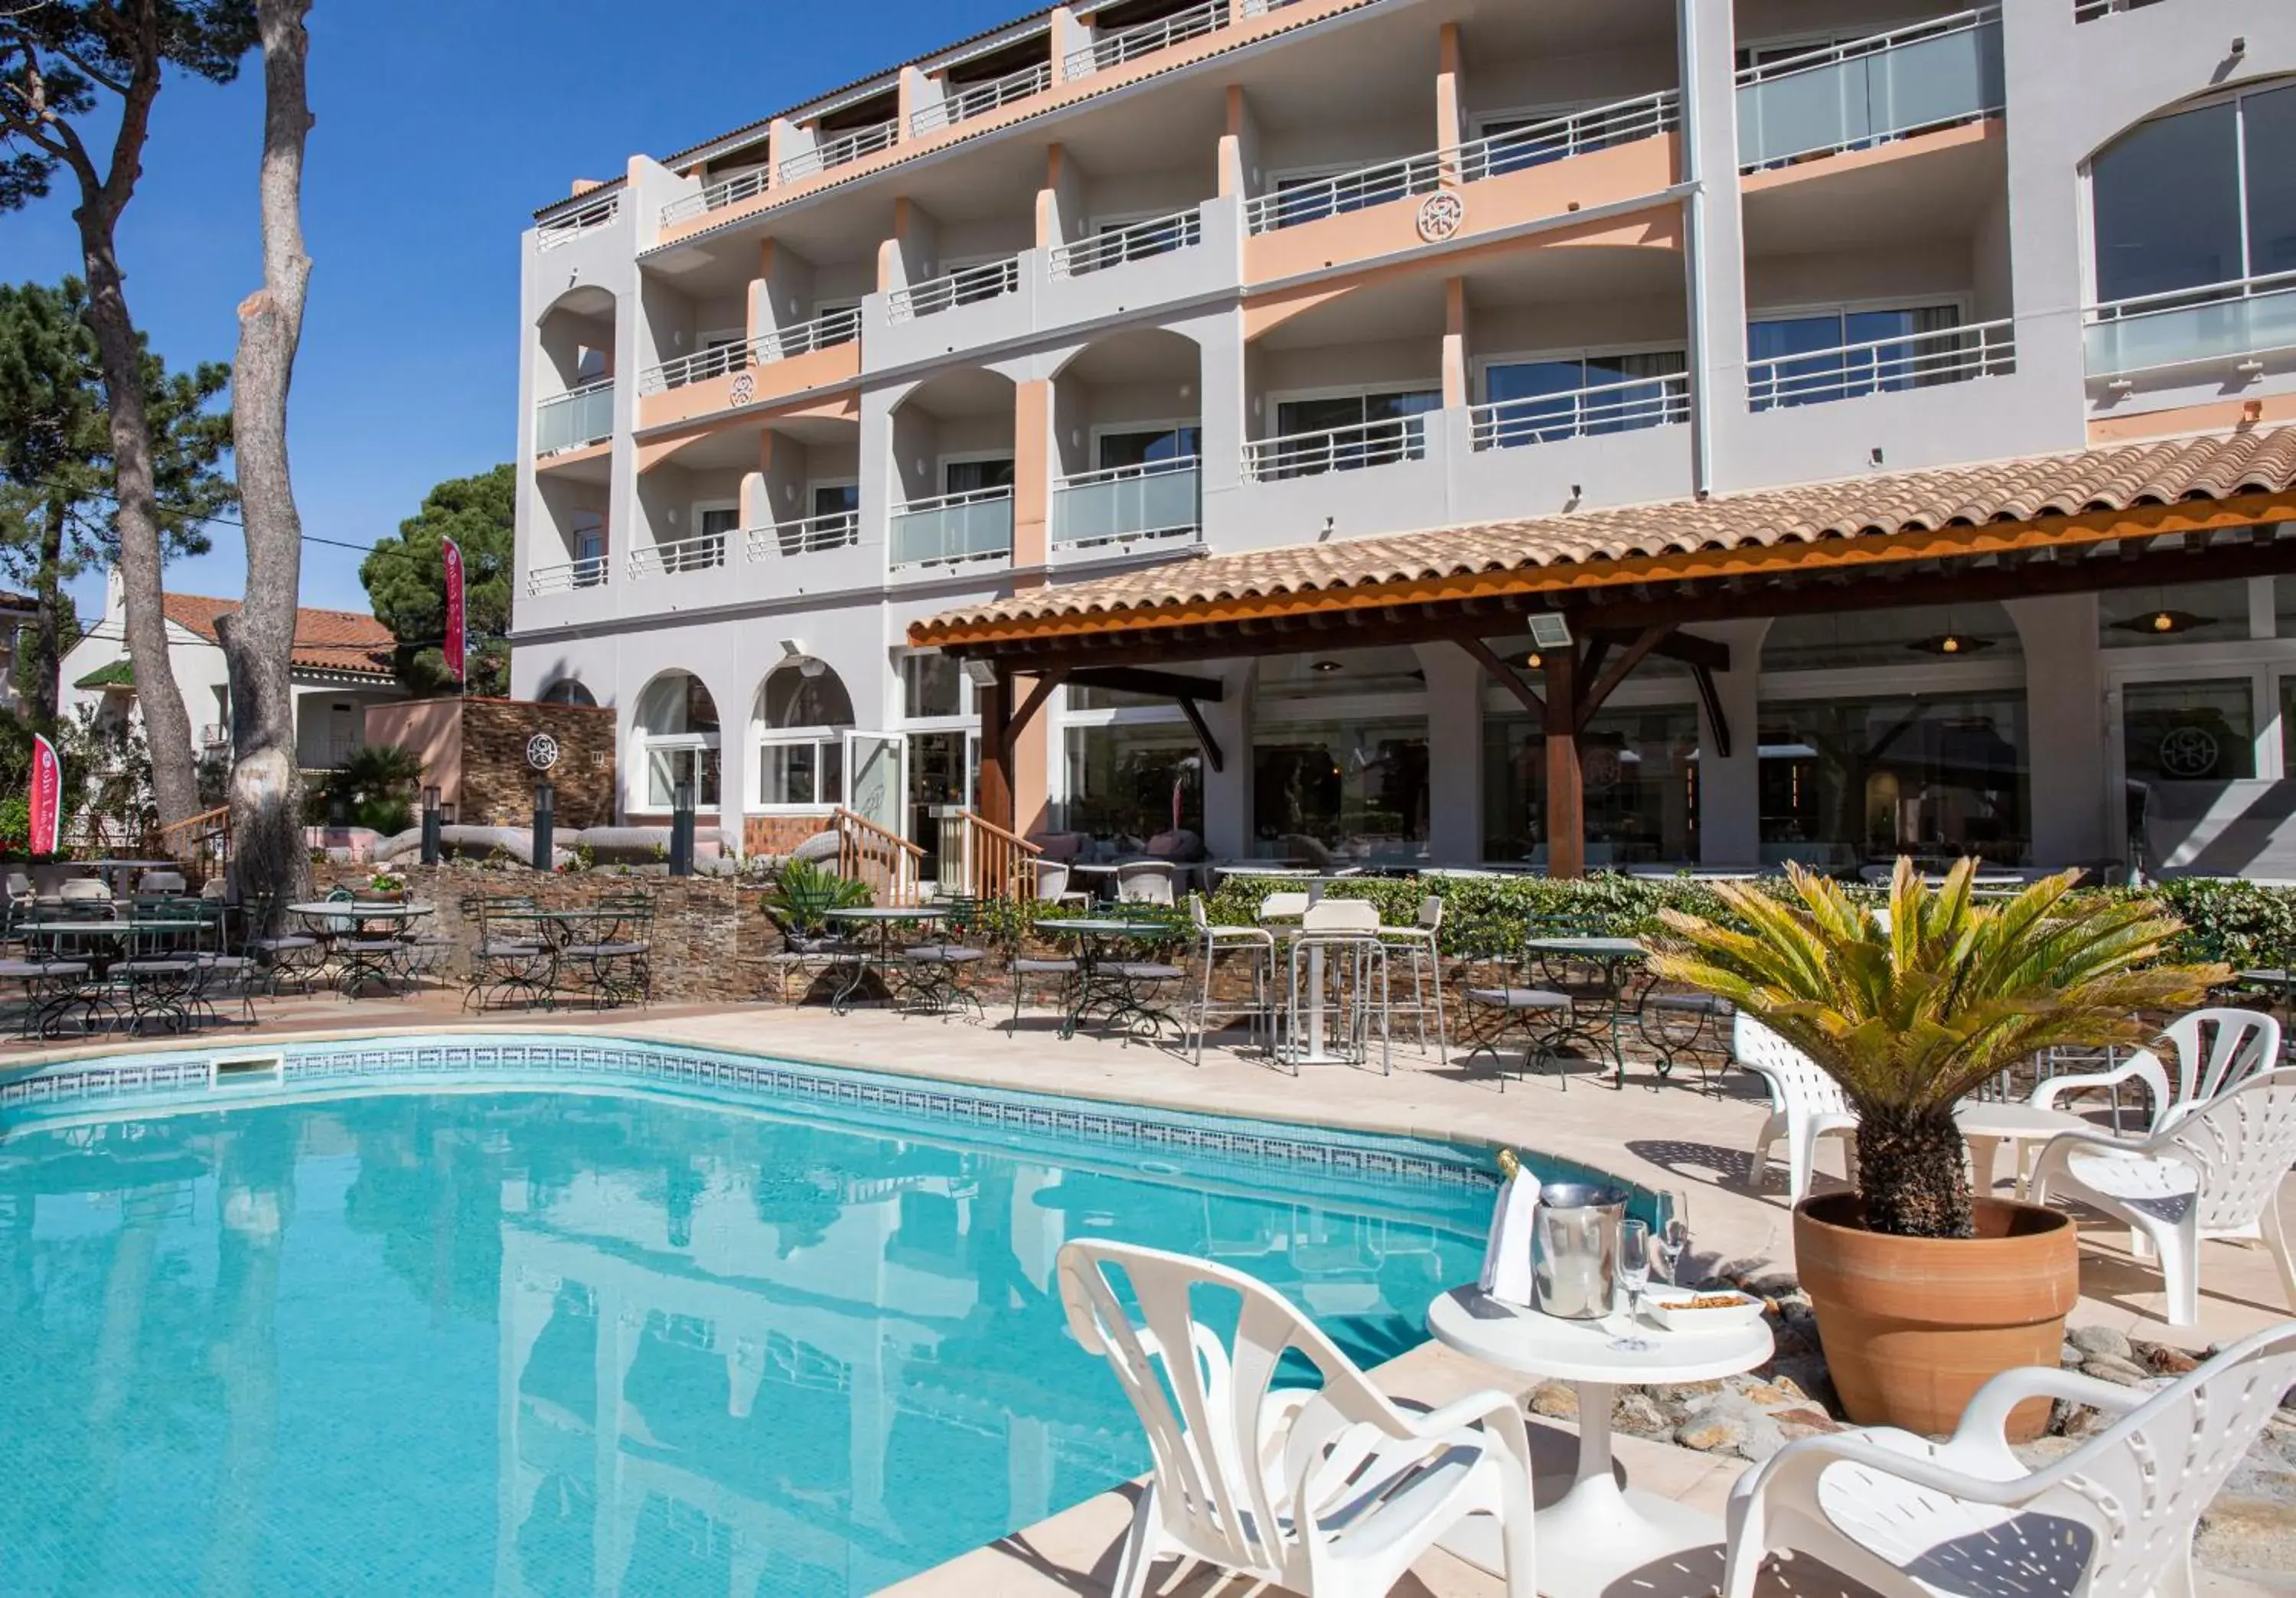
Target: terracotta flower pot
[1913,1326]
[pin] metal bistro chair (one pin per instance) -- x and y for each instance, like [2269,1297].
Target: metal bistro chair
[366,957]
[279,952]
[1346,933]
[615,965]
[223,970]
[1257,944]
[936,968]
[1421,944]
[53,978]
[508,956]
[1499,1003]
[1688,1026]
[161,976]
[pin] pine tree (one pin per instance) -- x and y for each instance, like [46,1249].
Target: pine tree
[406,582]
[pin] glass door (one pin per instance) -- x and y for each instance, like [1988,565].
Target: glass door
[873,784]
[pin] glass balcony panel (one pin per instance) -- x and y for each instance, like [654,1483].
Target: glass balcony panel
[1871,90]
[955,530]
[2194,328]
[1155,501]
[572,421]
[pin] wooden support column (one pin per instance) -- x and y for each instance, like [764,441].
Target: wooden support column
[995,793]
[1566,797]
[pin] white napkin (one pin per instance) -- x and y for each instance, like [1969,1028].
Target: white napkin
[1506,1257]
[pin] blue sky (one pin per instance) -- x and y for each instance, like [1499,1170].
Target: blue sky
[432,146]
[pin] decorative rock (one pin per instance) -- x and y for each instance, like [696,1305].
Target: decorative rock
[1795,1424]
[2125,1372]
[2070,1355]
[1726,1423]
[2170,1362]
[1637,1411]
[2093,1340]
[2044,1450]
[1555,1401]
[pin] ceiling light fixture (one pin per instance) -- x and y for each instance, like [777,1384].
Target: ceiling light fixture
[1324,666]
[2163,623]
[1950,643]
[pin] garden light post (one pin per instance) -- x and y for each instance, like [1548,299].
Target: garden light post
[546,804]
[681,830]
[430,825]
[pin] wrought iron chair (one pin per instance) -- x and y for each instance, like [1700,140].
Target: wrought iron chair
[1499,1001]
[935,969]
[508,956]
[614,963]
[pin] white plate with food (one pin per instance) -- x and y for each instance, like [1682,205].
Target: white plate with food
[1681,1310]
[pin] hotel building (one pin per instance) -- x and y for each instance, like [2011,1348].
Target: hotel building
[1111,301]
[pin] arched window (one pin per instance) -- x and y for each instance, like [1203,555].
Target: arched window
[568,691]
[678,737]
[801,711]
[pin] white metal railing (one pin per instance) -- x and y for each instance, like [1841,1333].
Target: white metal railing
[1158,499]
[1950,355]
[830,328]
[1336,449]
[214,734]
[726,192]
[1345,191]
[1147,39]
[2184,327]
[966,285]
[1598,408]
[588,573]
[2088,10]
[980,99]
[815,535]
[1597,127]
[1871,90]
[700,552]
[574,224]
[716,361]
[953,528]
[841,151]
[1133,242]
[579,417]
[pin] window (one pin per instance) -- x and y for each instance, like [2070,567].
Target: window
[677,735]
[802,706]
[2202,732]
[840,321]
[2178,613]
[1565,397]
[1941,634]
[1847,780]
[1331,791]
[1148,447]
[836,499]
[589,548]
[1310,196]
[568,691]
[1345,432]
[808,771]
[931,685]
[2200,198]
[1567,130]
[975,477]
[1133,781]
[1640,772]
[590,366]
[1841,353]
[1138,238]
[707,547]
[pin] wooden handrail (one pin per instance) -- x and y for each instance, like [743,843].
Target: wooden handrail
[998,863]
[994,830]
[187,837]
[868,853]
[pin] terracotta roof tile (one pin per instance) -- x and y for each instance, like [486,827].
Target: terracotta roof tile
[339,641]
[2114,479]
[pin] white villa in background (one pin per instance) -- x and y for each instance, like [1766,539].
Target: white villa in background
[342,666]
[1121,284]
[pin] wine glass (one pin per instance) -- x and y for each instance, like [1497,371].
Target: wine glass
[1673,1238]
[1634,1272]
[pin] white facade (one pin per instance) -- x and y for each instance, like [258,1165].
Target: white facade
[773,391]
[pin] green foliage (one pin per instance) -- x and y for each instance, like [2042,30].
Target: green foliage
[373,788]
[2242,924]
[15,822]
[406,582]
[805,893]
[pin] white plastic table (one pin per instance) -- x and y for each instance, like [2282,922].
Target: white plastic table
[1598,1532]
[1986,1125]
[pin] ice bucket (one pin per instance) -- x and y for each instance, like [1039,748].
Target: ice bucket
[1576,1259]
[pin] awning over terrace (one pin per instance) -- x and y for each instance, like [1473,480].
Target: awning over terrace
[1625,581]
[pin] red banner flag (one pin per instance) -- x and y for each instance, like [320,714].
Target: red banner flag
[451,552]
[47,796]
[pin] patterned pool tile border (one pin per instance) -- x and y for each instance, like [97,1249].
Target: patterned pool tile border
[1387,1157]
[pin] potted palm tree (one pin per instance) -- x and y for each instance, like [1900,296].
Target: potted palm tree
[1922,1290]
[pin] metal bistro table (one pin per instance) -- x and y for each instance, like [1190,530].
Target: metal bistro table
[1613,955]
[557,928]
[364,961]
[1115,986]
[884,918]
[1597,1535]
[99,946]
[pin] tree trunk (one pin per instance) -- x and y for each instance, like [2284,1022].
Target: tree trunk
[1910,1174]
[267,785]
[167,726]
[45,660]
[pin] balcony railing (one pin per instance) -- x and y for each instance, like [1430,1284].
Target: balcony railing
[1950,355]
[1596,129]
[1133,242]
[701,553]
[978,100]
[1347,192]
[1147,39]
[815,535]
[1336,449]
[588,573]
[713,362]
[729,191]
[967,285]
[1599,408]
[842,150]
[574,224]
[953,528]
[2088,10]
[573,420]
[1157,500]
[2190,327]
[832,327]
[1871,90]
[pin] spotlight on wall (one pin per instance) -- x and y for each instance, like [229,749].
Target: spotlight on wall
[791,648]
[980,674]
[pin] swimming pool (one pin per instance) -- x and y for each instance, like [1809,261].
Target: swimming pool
[548,1315]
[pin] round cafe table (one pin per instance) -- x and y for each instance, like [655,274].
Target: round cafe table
[1986,1125]
[1615,957]
[1598,1532]
[884,918]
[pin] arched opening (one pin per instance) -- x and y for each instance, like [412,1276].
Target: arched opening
[677,741]
[952,471]
[574,375]
[568,691]
[1128,434]
[799,720]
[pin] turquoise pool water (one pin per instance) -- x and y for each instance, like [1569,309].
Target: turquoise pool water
[645,1333]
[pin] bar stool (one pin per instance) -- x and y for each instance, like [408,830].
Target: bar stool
[1421,942]
[1257,943]
[1346,930]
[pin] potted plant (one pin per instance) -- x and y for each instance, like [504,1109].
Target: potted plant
[385,888]
[1922,1291]
[802,897]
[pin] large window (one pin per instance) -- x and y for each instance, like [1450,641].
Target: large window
[1352,792]
[1133,780]
[1565,397]
[803,709]
[1639,770]
[2203,197]
[1347,431]
[2178,613]
[1848,781]
[1149,447]
[678,740]
[2194,731]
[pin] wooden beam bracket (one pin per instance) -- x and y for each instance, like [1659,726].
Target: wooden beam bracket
[1203,734]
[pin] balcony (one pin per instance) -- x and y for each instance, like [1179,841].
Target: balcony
[575,419]
[588,573]
[1601,409]
[954,530]
[813,535]
[842,150]
[1148,38]
[1576,133]
[1950,355]
[1347,192]
[1336,449]
[2192,327]
[823,333]
[1871,90]
[2089,11]
[1135,242]
[701,553]
[566,229]
[731,191]
[981,98]
[967,285]
[1159,500]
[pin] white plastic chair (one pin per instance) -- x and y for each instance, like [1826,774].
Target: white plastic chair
[2214,1173]
[2214,1050]
[1329,1494]
[1144,882]
[2115,1516]
[1806,1104]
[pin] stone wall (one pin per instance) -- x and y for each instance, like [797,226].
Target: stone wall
[498,779]
[780,835]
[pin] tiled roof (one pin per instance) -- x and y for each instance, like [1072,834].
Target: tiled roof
[2116,478]
[112,674]
[332,640]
